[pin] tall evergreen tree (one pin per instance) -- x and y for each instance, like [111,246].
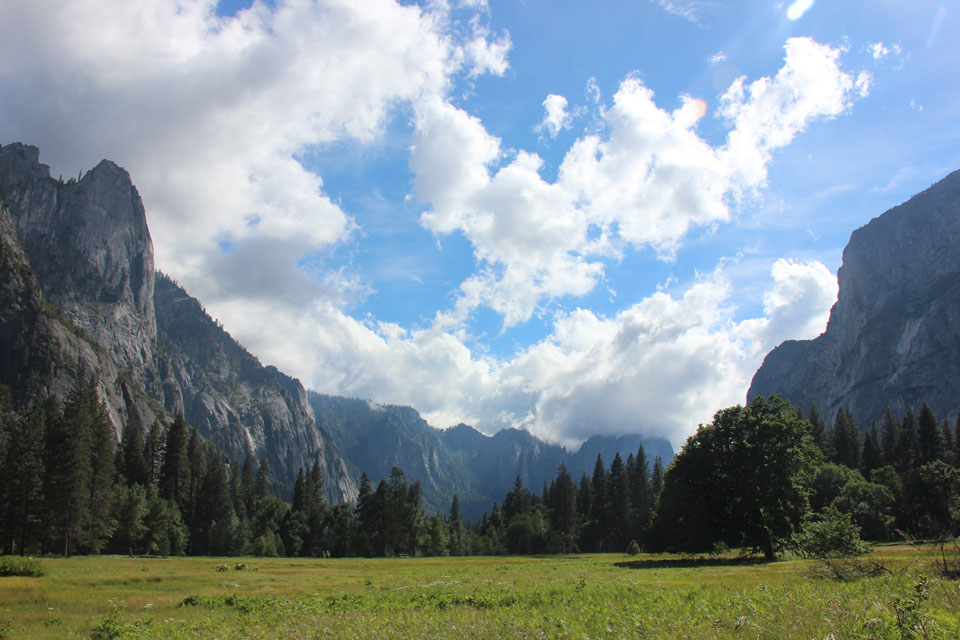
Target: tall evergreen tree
[819,432]
[175,470]
[872,453]
[103,471]
[197,461]
[131,463]
[68,470]
[618,501]
[153,452]
[21,481]
[929,445]
[640,493]
[907,443]
[563,510]
[656,481]
[890,437]
[845,439]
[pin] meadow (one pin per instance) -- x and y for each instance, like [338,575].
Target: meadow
[893,593]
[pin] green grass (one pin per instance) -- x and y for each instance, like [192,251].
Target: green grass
[591,596]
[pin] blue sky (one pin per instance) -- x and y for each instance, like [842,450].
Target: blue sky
[571,217]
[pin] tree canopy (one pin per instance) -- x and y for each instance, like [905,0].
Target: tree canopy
[742,481]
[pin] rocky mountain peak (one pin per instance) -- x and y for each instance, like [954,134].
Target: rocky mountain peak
[893,338]
[89,246]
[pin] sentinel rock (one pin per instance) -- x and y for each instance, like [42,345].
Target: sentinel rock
[893,339]
[80,294]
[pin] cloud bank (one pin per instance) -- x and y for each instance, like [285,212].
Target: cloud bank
[213,115]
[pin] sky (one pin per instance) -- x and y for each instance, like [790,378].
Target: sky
[574,218]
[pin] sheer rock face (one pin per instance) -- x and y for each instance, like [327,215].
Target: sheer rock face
[84,249]
[893,338]
[89,247]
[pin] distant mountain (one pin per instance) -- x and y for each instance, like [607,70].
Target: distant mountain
[479,469]
[893,339]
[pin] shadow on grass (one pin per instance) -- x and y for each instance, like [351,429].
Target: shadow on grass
[699,561]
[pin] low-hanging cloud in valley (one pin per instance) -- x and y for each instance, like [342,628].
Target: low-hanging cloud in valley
[212,116]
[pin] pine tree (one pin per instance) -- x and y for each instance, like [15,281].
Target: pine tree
[131,463]
[175,470]
[872,454]
[845,439]
[890,437]
[819,429]
[217,518]
[21,481]
[907,443]
[946,434]
[153,452]
[656,481]
[618,501]
[929,445]
[103,471]
[640,493]
[68,470]
[196,458]
[563,510]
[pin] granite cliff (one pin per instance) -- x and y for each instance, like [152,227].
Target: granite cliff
[893,338]
[80,294]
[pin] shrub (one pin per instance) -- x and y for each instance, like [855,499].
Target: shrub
[633,548]
[834,535]
[20,566]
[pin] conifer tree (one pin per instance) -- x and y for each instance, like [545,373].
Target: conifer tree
[68,470]
[845,439]
[640,493]
[872,455]
[21,481]
[929,445]
[131,463]
[819,432]
[175,470]
[890,437]
[907,443]
[103,471]
[153,452]
[563,510]
[618,501]
[656,481]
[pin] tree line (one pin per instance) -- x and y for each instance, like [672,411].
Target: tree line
[752,479]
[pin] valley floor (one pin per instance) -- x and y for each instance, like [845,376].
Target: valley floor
[583,596]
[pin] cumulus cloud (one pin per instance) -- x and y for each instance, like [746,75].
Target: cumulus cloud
[211,116]
[210,113]
[556,117]
[660,366]
[645,181]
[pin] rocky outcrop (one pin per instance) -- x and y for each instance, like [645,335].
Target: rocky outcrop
[80,294]
[893,339]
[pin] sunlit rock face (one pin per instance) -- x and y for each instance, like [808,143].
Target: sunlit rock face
[83,249]
[893,339]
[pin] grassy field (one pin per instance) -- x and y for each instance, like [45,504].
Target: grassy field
[590,596]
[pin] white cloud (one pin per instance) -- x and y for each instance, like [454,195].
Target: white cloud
[660,366]
[209,114]
[691,10]
[646,180]
[556,117]
[799,7]
[768,113]
[717,58]
[878,50]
